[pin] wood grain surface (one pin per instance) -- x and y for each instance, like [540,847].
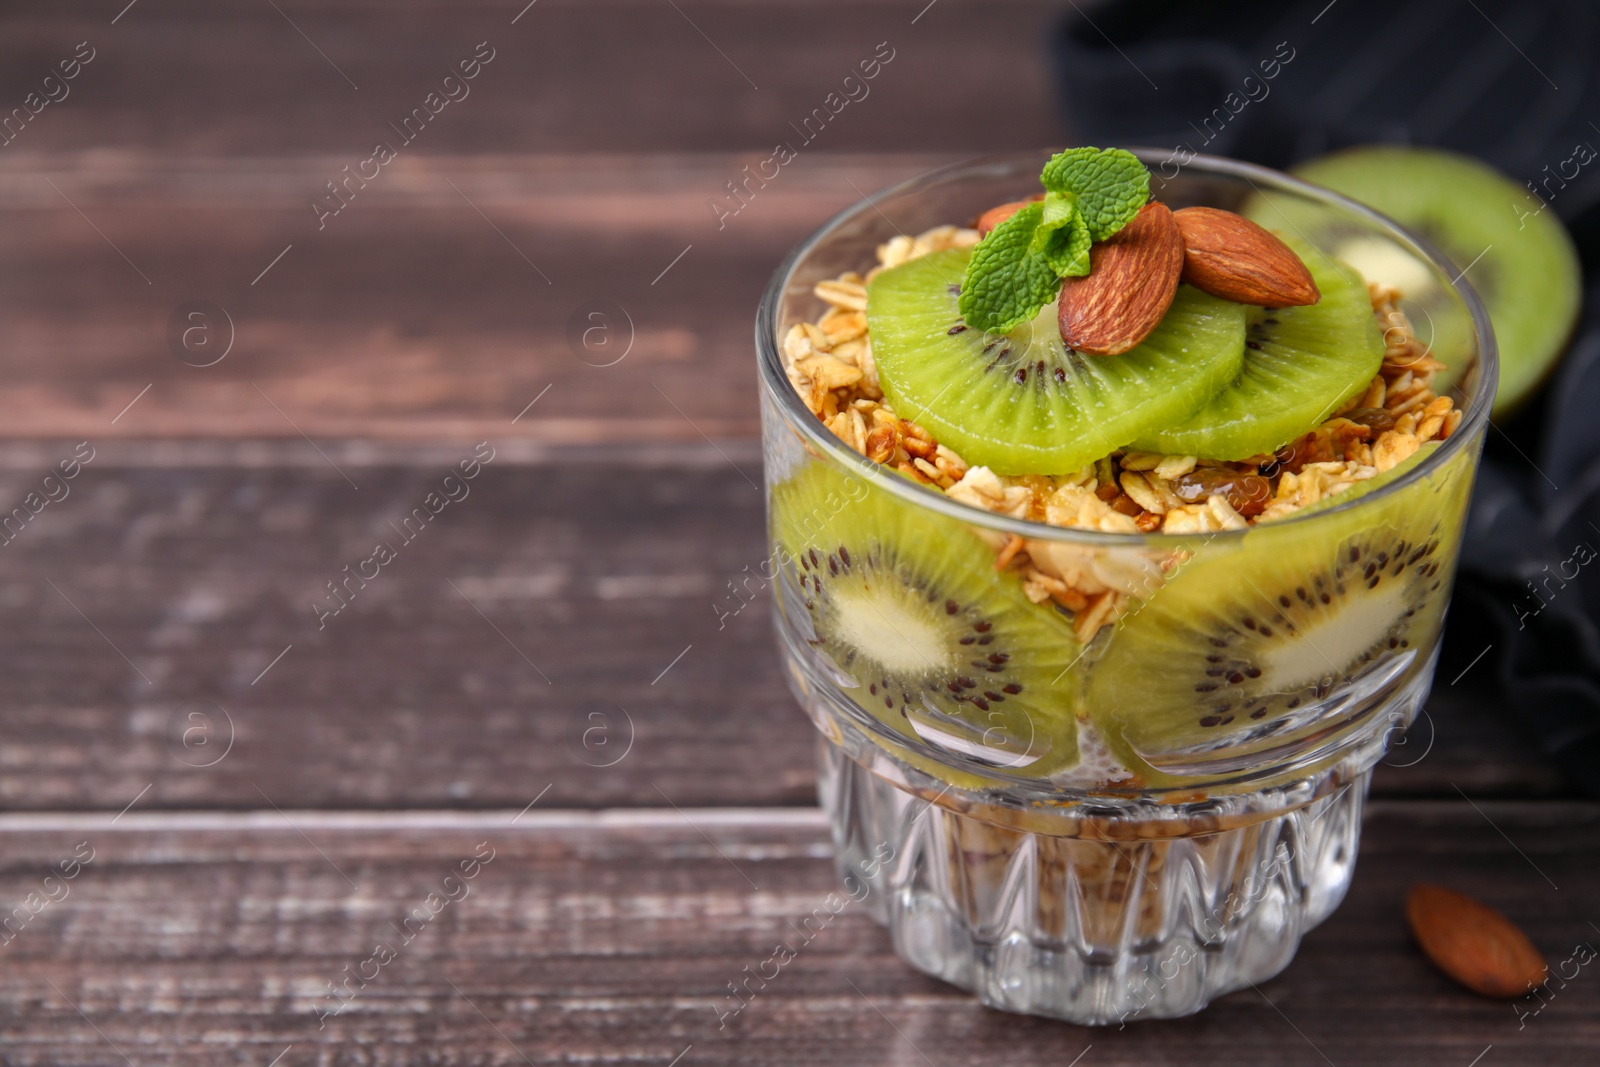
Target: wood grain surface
[611,937]
[567,583]
[411,316]
[633,76]
[579,167]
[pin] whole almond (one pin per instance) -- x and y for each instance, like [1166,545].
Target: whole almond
[1229,256]
[1473,943]
[1133,276]
[996,215]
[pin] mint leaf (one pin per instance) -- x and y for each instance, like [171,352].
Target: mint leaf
[1006,283]
[1062,236]
[1111,185]
[1059,209]
[1068,250]
[1090,194]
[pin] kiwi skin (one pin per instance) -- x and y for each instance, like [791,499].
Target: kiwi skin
[904,614]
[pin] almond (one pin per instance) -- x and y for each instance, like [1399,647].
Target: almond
[996,215]
[1133,276]
[1229,256]
[1473,943]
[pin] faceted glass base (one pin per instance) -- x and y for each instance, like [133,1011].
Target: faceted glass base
[1117,919]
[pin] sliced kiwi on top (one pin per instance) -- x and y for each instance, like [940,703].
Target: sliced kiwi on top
[1287,634]
[1512,249]
[907,614]
[1300,364]
[1024,403]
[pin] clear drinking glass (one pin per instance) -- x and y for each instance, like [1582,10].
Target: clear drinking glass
[1016,856]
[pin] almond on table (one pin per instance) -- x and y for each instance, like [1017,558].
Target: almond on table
[1473,943]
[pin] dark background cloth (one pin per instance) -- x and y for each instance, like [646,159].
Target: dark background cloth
[1511,82]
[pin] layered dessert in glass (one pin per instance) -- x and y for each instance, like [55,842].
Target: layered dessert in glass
[1116,520]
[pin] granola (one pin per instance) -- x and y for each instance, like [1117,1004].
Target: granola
[830,365]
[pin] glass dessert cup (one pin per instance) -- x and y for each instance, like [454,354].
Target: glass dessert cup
[1153,816]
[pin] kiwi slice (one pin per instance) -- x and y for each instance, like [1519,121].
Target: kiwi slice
[1024,403]
[905,611]
[1283,634]
[1300,364]
[1513,249]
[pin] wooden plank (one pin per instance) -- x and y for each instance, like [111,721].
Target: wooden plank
[409,316]
[567,76]
[611,937]
[600,570]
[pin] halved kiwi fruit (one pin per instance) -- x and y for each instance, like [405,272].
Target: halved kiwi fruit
[1513,249]
[1024,403]
[905,610]
[1297,627]
[1300,364]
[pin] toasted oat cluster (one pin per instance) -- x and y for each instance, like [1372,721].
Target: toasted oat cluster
[830,365]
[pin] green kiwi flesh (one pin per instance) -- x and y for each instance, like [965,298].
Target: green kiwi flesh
[1262,642]
[1024,403]
[1512,249]
[1300,364]
[906,612]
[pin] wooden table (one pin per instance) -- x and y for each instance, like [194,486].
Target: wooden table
[251,793]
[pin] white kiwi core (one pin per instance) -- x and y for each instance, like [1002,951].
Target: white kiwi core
[1330,645]
[893,626]
[1386,263]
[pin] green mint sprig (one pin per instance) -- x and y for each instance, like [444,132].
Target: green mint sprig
[1110,185]
[1063,236]
[1090,194]
[1006,282]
